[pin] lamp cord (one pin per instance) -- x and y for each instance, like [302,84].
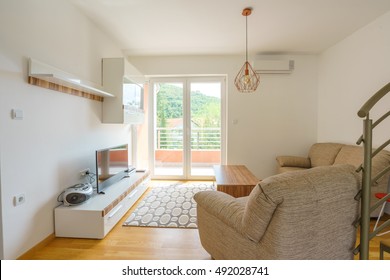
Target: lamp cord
[246,38]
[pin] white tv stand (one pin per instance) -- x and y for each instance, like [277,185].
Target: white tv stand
[98,215]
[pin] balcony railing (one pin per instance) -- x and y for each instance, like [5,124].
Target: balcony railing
[201,138]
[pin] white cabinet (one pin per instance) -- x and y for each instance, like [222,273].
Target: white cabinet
[98,215]
[125,82]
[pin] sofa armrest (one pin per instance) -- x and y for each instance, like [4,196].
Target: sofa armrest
[224,207]
[293,161]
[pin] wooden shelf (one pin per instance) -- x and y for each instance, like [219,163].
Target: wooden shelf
[46,76]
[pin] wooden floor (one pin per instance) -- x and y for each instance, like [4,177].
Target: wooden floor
[141,243]
[374,243]
[126,243]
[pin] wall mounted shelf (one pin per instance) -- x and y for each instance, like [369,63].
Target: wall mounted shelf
[46,76]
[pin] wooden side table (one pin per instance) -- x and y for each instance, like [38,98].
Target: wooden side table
[235,180]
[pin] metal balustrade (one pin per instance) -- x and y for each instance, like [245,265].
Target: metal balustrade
[208,138]
[367,180]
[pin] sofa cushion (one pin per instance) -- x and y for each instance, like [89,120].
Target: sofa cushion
[312,199]
[379,163]
[258,211]
[293,161]
[322,154]
[354,155]
[350,154]
[289,169]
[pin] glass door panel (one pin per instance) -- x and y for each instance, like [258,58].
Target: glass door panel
[205,127]
[187,127]
[169,126]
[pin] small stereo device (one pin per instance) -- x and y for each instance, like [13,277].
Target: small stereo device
[77,194]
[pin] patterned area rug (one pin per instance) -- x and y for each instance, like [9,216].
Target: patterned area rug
[168,206]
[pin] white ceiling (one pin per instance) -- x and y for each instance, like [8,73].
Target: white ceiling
[210,27]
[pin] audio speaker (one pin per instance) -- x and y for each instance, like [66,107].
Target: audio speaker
[77,194]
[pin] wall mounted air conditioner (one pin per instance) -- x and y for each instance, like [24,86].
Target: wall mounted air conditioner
[273,66]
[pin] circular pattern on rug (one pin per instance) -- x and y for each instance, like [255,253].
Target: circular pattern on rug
[168,206]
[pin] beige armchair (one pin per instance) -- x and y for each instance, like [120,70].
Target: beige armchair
[295,215]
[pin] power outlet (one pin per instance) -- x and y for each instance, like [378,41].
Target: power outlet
[84,172]
[19,199]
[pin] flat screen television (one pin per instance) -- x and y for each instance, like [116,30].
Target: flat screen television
[112,165]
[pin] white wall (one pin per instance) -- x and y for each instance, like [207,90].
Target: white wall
[280,118]
[350,72]
[43,153]
[1,216]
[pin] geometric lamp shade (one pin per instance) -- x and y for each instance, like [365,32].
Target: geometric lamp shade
[247,80]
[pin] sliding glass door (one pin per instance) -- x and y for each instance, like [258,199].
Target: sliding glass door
[205,125]
[168,129]
[188,127]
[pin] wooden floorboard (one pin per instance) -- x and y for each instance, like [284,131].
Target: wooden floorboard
[126,243]
[142,243]
[374,243]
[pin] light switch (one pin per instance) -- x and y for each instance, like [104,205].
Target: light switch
[17,114]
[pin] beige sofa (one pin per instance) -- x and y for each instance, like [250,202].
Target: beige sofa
[295,215]
[322,154]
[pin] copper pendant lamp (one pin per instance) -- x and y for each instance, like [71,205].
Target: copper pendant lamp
[247,79]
